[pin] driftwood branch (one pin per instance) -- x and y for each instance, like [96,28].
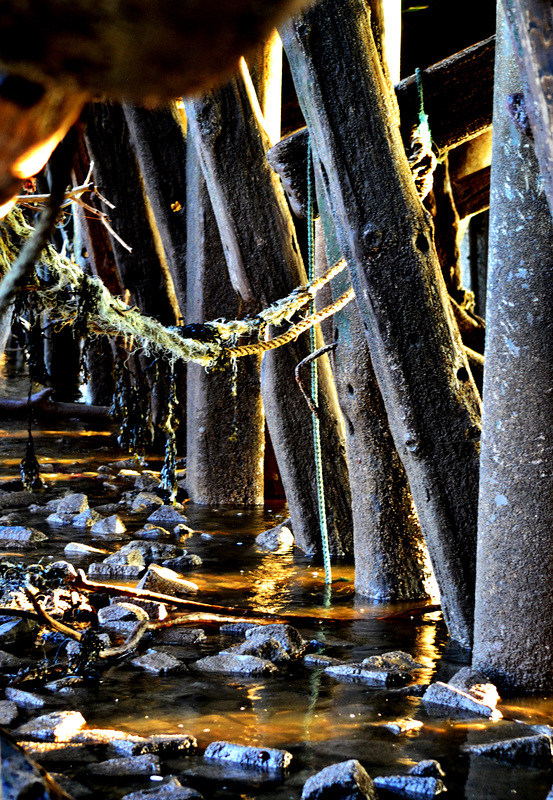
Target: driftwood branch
[42,406]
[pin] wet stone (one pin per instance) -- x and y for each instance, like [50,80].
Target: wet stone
[411,786]
[8,713]
[400,727]
[347,780]
[371,677]
[476,684]
[527,751]
[234,665]
[108,525]
[262,646]
[394,660]
[24,699]
[429,768]
[74,503]
[150,531]
[145,501]
[133,766]
[237,628]
[20,537]
[447,697]
[64,685]
[59,726]
[288,637]
[158,663]
[153,609]
[109,737]
[15,629]
[184,562]
[147,482]
[75,789]
[121,612]
[182,531]
[179,636]
[318,660]
[79,549]
[172,790]
[86,519]
[59,518]
[145,552]
[10,663]
[165,581]
[276,539]
[101,570]
[168,515]
[258,758]
[17,499]
[47,752]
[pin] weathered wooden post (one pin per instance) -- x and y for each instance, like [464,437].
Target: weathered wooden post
[513,636]
[225,422]
[385,234]
[264,265]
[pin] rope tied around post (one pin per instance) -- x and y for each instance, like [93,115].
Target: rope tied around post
[422,160]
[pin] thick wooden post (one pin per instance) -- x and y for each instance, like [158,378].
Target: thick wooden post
[264,265]
[385,234]
[513,636]
[225,420]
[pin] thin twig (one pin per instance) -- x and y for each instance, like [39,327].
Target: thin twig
[299,380]
[31,593]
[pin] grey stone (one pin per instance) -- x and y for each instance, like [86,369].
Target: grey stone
[108,737]
[476,684]
[72,647]
[395,659]
[48,752]
[237,628]
[528,751]
[319,660]
[182,531]
[74,503]
[154,609]
[347,780]
[179,635]
[184,562]
[145,501]
[158,663]
[290,639]
[145,552]
[262,759]
[429,768]
[79,549]
[8,713]
[168,515]
[17,499]
[121,612]
[363,674]
[262,646]
[276,539]
[412,786]
[15,629]
[59,518]
[10,663]
[86,519]
[75,789]
[234,665]
[171,790]
[401,726]
[64,685]
[59,726]
[156,532]
[20,537]
[147,482]
[106,509]
[164,581]
[108,525]
[24,699]
[455,700]
[100,570]
[121,767]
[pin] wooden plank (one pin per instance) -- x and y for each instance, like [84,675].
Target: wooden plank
[431,400]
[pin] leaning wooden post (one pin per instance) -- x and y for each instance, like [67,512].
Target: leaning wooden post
[513,634]
[264,265]
[386,235]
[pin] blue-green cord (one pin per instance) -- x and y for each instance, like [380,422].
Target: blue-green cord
[423,126]
[315,378]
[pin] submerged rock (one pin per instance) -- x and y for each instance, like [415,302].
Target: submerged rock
[168,515]
[158,663]
[234,664]
[133,766]
[394,660]
[411,786]
[262,759]
[187,561]
[20,537]
[347,780]
[262,646]
[179,636]
[172,790]
[288,637]
[150,531]
[363,674]
[79,549]
[276,539]
[164,581]
[527,751]
[47,752]
[444,696]
[319,660]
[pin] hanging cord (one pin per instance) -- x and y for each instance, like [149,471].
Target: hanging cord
[315,376]
[422,159]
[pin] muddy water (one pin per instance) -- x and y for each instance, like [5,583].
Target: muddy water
[318,719]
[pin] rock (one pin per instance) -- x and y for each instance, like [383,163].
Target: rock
[172,790]
[86,519]
[79,549]
[74,503]
[64,685]
[261,759]
[443,695]
[318,660]
[105,737]
[476,684]
[154,609]
[107,525]
[150,531]
[158,663]
[179,636]
[17,499]
[411,786]
[58,518]
[8,713]
[347,780]
[182,531]
[145,501]
[234,665]
[237,628]
[121,612]
[24,699]
[171,745]
[184,562]
[394,660]
[59,726]
[144,553]
[429,768]
[48,752]
[125,463]
[363,674]
[10,663]
[290,639]
[72,648]
[123,767]
[276,539]
[19,537]
[107,509]
[73,788]
[527,751]
[401,726]
[262,646]
[101,570]
[15,629]
[168,515]
[147,482]
[165,581]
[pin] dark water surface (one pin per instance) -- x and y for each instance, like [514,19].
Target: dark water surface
[318,719]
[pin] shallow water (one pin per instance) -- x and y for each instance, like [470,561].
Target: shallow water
[318,719]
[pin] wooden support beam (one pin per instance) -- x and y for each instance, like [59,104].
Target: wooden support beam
[386,236]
